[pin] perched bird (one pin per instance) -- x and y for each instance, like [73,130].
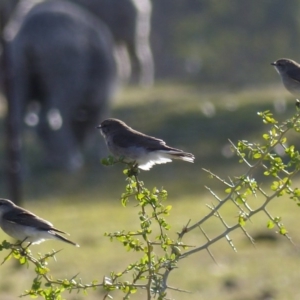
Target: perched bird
[289,72]
[136,147]
[25,226]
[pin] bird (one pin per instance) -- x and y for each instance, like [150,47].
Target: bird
[289,71]
[135,147]
[25,226]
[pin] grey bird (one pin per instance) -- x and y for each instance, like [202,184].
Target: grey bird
[136,147]
[289,72]
[25,226]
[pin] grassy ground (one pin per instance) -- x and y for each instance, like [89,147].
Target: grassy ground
[86,204]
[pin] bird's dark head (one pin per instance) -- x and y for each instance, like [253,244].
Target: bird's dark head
[6,202]
[284,64]
[5,205]
[111,125]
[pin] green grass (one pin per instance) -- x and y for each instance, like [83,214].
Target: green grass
[87,205]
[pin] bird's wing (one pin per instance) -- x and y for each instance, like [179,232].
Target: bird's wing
[294,74]
[130,139]
[24,217]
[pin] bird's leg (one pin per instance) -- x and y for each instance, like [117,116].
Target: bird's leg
[19,244]
[29,244]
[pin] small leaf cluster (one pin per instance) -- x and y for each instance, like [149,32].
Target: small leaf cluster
[44,285]
[265,159]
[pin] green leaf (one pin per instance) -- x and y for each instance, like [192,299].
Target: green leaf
[36,284]
[257,155]
[283,140]
[124,201]
[140,196]
[275,185]
[240,200]
[23,260]
[104,162]
[242,221]
[277,219]
[270,224]
[283,231]
[167,208]
[228,191]
[176,250]
[41,270]
[266,136]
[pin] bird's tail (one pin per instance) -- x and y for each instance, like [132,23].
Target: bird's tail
[189,157]
[62,238]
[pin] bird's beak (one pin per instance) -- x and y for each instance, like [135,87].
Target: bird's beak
[98,127]
[273,64]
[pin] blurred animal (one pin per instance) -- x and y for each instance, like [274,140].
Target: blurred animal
[130,24]
[128,20]
[61,57]
[6,9]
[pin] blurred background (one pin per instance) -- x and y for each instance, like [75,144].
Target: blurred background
[192,72]
[228,43]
